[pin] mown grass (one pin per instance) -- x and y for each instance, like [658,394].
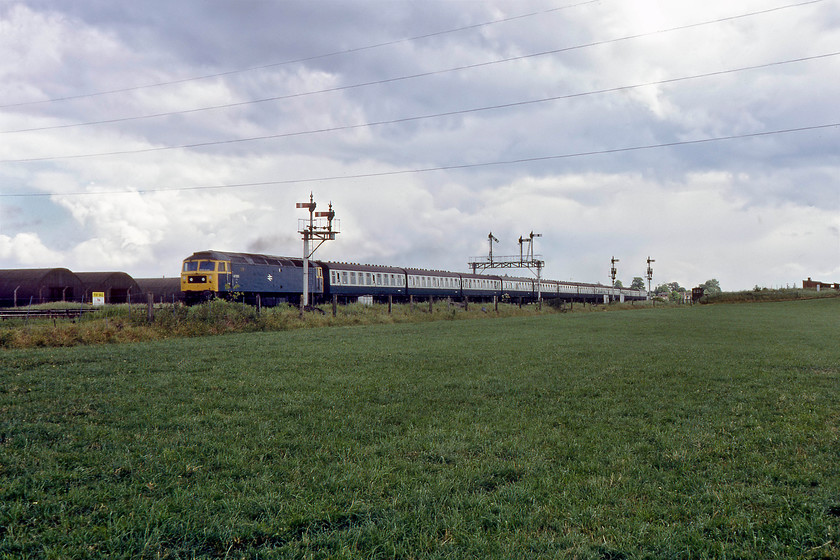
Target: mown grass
[702,432]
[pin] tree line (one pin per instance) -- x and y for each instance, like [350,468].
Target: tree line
[672,290]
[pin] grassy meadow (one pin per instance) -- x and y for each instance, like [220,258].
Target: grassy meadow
[692,432]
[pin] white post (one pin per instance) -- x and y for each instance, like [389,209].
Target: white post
[305,298]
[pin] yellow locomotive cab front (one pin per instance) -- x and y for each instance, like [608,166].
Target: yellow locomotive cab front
[202,275]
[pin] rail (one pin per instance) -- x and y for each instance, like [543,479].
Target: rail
[67,313]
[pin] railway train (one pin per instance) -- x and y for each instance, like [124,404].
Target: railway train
[273,280]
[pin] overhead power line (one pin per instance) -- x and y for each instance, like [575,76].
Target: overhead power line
[438,168]
[302,59]
[403,78]
[421,117]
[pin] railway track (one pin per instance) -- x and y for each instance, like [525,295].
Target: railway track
[68,313]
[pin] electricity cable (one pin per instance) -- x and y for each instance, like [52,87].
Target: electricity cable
[402,78]
[303,59]
[421,117]
[438,168]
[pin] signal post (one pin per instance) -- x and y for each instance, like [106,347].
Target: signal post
[321,226]
[526,259]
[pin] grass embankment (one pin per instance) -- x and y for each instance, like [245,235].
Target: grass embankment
[123,323]
[702,432]
[765,295]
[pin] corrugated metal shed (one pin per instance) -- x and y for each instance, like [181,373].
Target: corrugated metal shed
[118,287]
[164,290]
[39,285]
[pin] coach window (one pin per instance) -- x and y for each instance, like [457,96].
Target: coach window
[353,278]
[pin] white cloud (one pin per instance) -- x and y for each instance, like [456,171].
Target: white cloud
[27,250]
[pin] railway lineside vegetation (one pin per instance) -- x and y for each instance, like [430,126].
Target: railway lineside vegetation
[702,432]
[123,323]
[130,323]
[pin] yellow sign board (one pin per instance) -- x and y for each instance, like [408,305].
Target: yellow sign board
[98,298]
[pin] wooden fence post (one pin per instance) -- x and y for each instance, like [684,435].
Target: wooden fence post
[150,301]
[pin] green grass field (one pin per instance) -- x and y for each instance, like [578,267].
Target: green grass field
[702,432]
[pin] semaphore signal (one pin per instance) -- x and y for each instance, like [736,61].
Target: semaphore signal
[526,259]
[323,229]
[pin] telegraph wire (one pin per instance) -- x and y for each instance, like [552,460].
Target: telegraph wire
[421,117]
[407,77]
[304,59]
[439,168]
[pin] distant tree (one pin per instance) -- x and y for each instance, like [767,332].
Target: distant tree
[618,284]
[711,287]
[662,289]
[638,283]
[675,287]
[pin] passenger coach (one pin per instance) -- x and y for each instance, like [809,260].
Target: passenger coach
[352,280]
[433,283]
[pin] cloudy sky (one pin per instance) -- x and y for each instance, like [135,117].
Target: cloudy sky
[705,135]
